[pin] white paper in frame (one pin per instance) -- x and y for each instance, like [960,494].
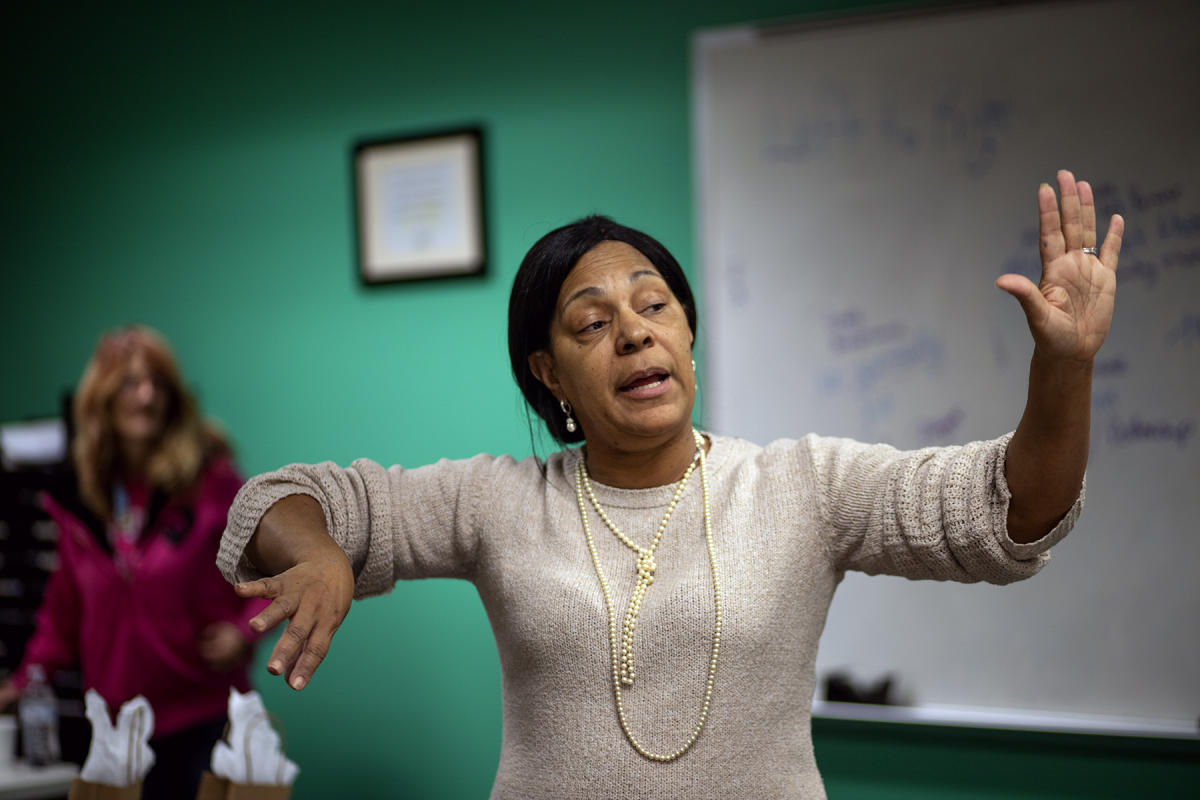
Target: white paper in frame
[420,206]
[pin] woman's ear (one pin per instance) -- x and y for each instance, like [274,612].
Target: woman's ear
[541,364]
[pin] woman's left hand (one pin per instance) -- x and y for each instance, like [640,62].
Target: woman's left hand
[1069,313]
[223,646]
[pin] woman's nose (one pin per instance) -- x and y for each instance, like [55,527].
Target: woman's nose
[634,333]
[144,388]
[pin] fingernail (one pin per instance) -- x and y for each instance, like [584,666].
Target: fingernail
[275,667]
[298,683]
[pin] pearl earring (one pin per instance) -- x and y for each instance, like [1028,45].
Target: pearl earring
[566,409]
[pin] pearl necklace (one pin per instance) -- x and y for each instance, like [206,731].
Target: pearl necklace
[622,655]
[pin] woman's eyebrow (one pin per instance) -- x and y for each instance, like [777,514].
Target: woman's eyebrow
[595,291]
[590,291]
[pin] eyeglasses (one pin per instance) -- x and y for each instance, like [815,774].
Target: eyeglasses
[132,384]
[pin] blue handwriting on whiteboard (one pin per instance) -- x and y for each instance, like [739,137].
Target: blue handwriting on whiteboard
[1146,199]
[966,128]
[1105,400]
[1108,199]
[923,351]
[1110,367]
[1178,226]
[970,127]
[850,332]
[1141,271]
[942,428]
[1136,429]
[1156,247]
[1186,332]
[1180,259]
[1133,240]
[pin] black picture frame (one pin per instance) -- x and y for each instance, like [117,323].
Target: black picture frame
[419,206]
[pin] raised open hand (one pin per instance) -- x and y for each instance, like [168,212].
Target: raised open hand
[1070,311]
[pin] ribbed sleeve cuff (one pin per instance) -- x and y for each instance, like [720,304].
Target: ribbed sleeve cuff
[1027,551]
[1030,550]
[252,501]
[376,573]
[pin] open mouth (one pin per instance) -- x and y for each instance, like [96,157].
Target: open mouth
[645,381]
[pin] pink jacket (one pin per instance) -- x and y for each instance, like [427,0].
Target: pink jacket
[138,635]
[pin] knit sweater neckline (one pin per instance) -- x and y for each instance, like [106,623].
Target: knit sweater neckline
[562,473]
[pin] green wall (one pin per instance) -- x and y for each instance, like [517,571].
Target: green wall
[187,165]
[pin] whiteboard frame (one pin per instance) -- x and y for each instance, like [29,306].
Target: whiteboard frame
[703,43]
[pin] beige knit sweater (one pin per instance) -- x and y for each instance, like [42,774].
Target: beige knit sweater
[788,519]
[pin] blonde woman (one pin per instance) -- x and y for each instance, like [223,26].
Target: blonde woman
[136,601]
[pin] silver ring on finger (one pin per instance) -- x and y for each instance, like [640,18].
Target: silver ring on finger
[1091,251]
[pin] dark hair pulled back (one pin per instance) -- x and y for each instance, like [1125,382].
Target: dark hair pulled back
[535,295]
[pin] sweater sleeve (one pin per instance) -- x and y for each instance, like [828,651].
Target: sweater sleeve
[939,512]
[393,523]
[55,641]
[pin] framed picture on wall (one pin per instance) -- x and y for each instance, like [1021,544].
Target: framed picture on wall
[419,206]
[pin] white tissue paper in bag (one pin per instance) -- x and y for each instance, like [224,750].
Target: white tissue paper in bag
[120,755]
[252,754]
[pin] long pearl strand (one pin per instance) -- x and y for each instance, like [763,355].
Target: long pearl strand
[622,655]
[645,567]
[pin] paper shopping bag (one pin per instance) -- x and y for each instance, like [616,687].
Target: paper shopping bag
[215,788]
[86,790]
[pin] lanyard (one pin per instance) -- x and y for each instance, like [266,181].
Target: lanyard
[125,530]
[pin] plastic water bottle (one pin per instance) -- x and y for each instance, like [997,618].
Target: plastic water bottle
[38,712]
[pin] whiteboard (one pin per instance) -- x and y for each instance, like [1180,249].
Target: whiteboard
[860,187]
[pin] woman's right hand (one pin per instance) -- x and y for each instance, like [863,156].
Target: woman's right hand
[312,588]
[9,694]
